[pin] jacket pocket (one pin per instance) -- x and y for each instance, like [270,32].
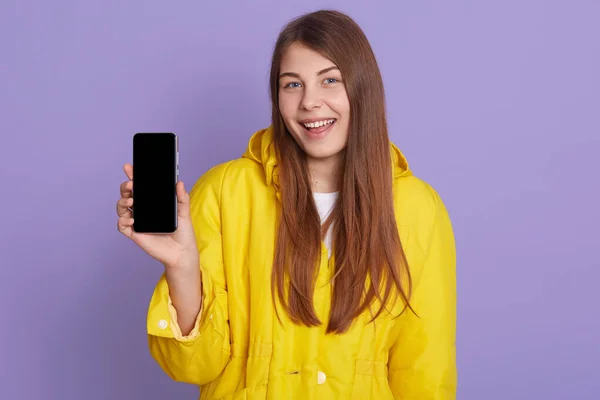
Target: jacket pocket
[258,363]
[371,381]
[258,393]
[246,376]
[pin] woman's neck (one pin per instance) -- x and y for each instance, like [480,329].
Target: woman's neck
[325,174]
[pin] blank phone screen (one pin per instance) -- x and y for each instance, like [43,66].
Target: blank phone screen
[154,180]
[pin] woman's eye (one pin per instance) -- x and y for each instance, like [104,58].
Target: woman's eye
[330,80]
[292,85]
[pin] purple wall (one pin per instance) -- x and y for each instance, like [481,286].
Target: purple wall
[496,105]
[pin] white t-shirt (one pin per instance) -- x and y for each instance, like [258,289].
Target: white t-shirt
[325,202]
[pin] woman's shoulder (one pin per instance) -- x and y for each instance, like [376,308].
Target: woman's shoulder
[416,202]
[419,208]
[229,175]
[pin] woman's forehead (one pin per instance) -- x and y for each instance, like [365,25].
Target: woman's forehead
[302,59]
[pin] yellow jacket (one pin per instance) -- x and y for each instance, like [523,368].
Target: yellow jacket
[239,350]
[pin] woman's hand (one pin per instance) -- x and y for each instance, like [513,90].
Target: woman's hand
[177,251]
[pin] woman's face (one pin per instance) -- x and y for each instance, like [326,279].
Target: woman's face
[313,102]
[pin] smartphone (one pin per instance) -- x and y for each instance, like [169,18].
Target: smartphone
[155,176]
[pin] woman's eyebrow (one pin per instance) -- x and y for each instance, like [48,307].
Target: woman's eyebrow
[295,75]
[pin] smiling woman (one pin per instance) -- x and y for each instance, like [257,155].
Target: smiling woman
[316,265]
[315,80]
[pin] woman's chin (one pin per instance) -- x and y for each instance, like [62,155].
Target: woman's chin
[323,154]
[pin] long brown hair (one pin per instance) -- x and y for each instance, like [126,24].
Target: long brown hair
[369,260]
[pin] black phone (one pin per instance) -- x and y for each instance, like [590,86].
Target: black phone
[155,176]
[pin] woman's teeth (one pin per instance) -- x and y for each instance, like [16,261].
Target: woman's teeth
[319,123]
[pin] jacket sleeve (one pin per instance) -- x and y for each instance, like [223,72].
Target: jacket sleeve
[422,361]
[201,356]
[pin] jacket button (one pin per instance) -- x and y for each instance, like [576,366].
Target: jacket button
[162,324]
[321,377]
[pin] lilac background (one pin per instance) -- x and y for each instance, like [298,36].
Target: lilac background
[496,104]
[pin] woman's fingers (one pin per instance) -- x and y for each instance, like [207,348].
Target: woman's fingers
[126,189]
[124,206]
[124,225]
[183,198]
[128,168]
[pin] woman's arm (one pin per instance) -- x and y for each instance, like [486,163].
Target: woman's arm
[422,363]
[196,349]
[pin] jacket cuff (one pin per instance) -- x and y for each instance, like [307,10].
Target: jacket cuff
[176,330]
[162,315]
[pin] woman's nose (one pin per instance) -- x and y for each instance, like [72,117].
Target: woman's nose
[311,99]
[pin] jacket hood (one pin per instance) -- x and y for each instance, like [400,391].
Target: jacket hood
[261,149]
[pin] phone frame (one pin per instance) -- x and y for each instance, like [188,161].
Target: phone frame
[176,225]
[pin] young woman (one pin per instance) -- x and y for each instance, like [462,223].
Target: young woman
[315,266]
